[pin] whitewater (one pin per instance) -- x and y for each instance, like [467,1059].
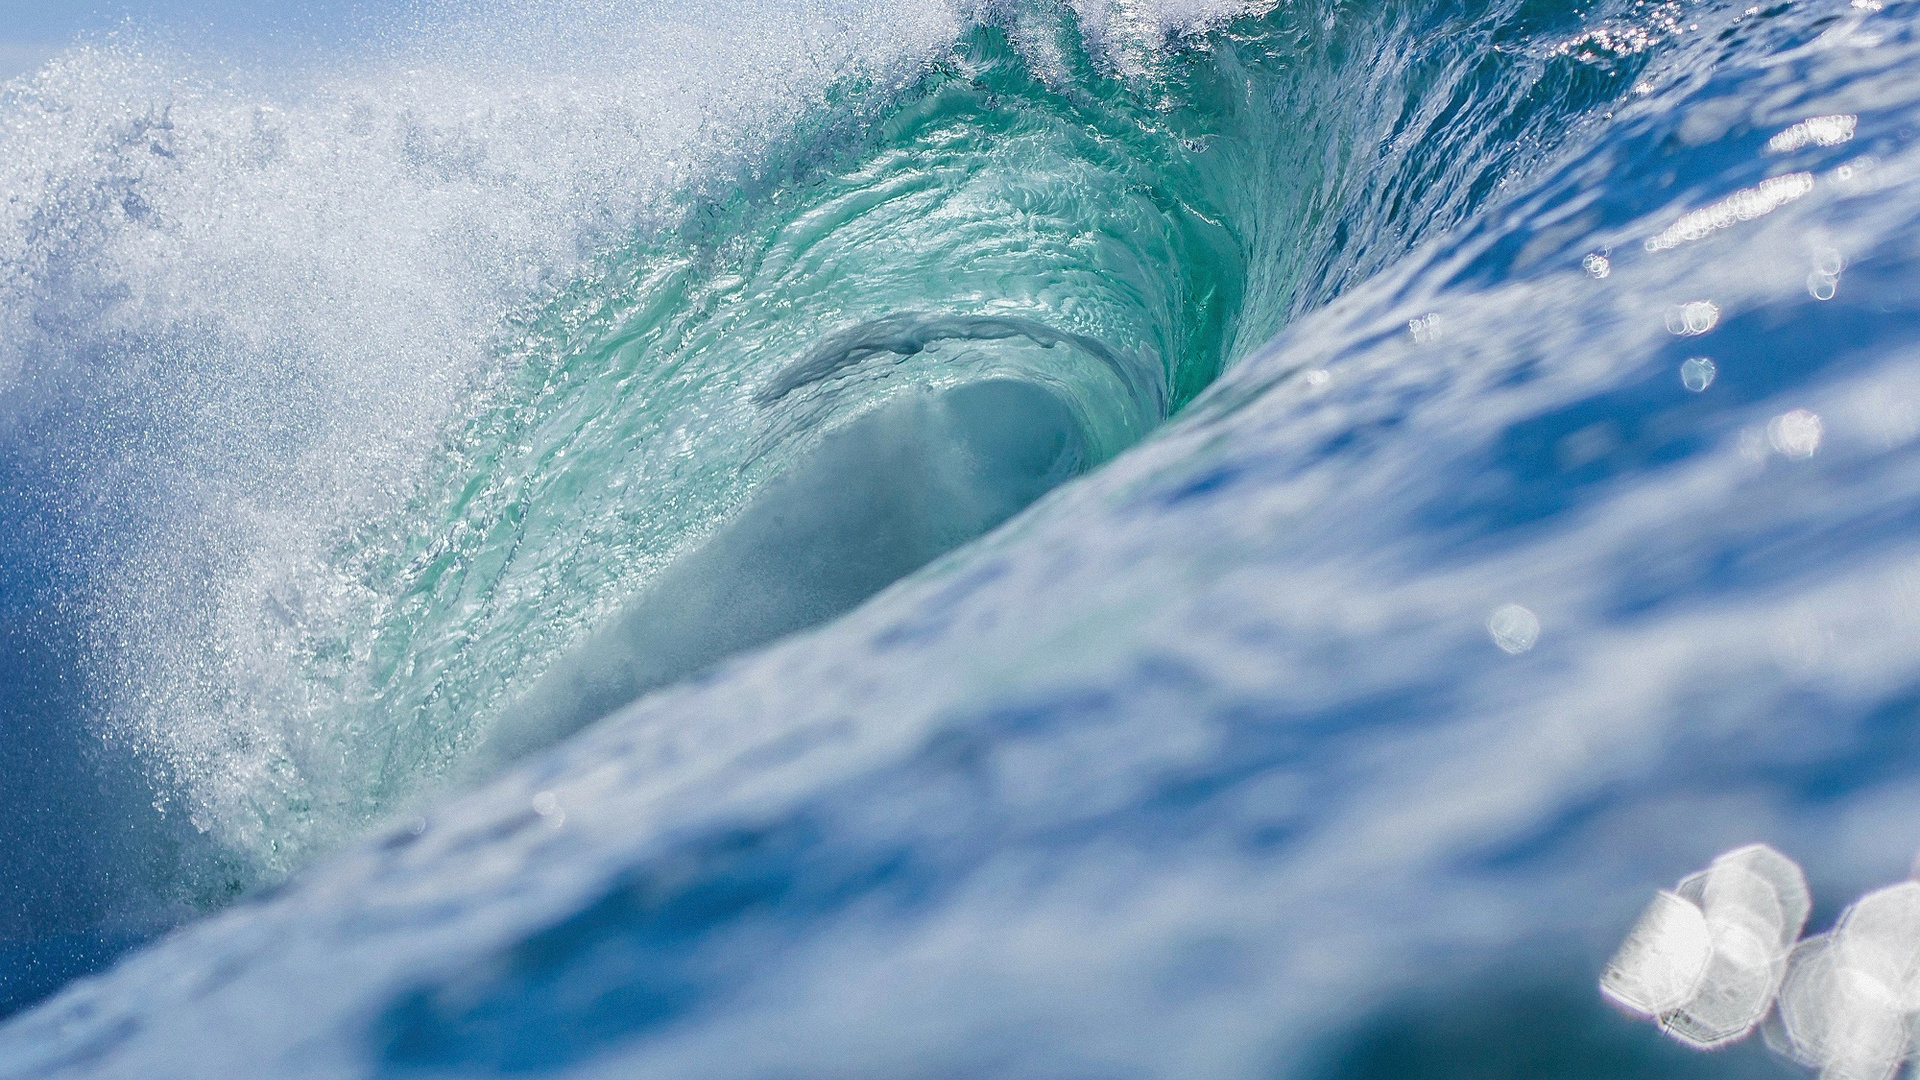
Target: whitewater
[932,539]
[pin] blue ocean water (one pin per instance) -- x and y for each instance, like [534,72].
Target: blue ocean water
[920,539]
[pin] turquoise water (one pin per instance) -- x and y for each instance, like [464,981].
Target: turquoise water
[1013,213]
[1277,529]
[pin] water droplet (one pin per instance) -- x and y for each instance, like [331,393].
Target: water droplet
[1707,958]
[1696,373]
[1658,967]
[1814,131]
[1513,628]
[1795,434]
[1693,318]
[1847,996]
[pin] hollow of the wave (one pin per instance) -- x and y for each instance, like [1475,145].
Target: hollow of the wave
[879,498]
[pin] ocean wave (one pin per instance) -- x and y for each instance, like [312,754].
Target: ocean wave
[1357,497]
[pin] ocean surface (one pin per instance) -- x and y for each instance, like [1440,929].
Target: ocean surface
[933,540]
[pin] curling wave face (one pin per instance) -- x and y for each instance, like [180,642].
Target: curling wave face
[1482,436]
[395,496]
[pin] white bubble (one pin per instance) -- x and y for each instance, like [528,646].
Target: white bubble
[1857,169]
[1845,1003]
[1736,990]
[1513,628]
[1693,318]
[1795,434]
[547,805]
[1659,965]
[1880,935]
[1696,373]
[1814,131]
[1748,907]
[1598,265]
[1784,879]
[1745,205]
[1850,998]
[1826,1014]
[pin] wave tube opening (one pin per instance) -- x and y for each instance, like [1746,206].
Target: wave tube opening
[879,498]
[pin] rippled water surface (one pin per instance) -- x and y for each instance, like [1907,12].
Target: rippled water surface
[896,538]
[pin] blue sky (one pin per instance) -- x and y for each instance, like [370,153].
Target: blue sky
[31,30]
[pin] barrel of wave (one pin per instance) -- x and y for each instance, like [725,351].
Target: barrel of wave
[879,498]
